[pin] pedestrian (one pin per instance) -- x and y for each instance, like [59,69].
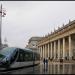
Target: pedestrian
[47,61]
[46,64]
[44,61]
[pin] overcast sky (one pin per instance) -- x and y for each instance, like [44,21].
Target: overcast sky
[25,19]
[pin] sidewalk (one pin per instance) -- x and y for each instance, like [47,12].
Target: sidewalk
[65,61]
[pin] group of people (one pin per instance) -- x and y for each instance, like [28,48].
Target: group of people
[45,61]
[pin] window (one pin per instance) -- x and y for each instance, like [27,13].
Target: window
[14,56]
[24,56]
[7,51]
[28,56]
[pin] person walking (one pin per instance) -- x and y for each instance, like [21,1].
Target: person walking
[44,61]
[46,64]
[47,61]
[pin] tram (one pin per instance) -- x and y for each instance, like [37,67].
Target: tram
[12,57]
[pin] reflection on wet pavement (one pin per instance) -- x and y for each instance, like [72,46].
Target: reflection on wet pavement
[58,68]
[51,68]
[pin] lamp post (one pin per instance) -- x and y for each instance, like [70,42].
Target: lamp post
[2,14]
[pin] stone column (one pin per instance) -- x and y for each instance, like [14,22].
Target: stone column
[54,49]
[48,50]
[70,49]
[51,50]
[58,48]
[45,50]
[63,48]
[41,51]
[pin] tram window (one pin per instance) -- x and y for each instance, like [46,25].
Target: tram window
[25,56]
[20,56]
[28,56]
[14,56]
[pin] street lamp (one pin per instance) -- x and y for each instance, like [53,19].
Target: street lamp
[2,14]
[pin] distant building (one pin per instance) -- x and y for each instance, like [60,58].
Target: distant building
[4,45]
[32,44]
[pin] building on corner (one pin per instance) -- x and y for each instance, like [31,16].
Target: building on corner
[32,44]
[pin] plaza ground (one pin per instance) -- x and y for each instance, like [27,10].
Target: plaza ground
[51,68]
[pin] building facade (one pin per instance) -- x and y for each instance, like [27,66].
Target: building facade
[60,44]
[32,44]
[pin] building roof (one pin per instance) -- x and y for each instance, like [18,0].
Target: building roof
[61,28]
[34,39]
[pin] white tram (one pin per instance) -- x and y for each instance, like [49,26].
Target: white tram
[12,57]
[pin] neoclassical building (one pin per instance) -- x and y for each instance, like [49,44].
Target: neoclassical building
[60,44]
[32,44]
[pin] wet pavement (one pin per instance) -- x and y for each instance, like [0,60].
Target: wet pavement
[51,68]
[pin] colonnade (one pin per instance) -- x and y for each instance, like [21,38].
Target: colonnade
[57,49]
